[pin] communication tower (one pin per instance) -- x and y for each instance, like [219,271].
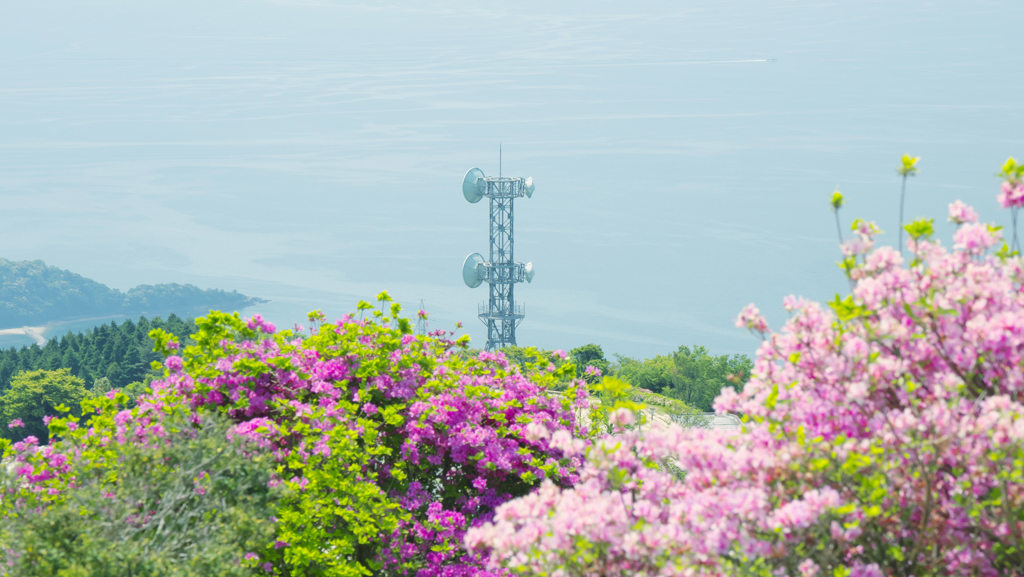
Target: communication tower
[500,314]
[421,322]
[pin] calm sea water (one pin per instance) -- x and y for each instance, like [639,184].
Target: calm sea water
[311,152]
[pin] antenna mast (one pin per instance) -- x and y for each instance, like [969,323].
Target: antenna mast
[500,314]
[421,322]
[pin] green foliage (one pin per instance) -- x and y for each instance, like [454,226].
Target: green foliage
[669,409]
[611,394]
[690,375]
[32,293]
[532,360]
[133,390]
[194,505]
[589,355]
[837,200]
[920,229]
[654,374]
[908,165]
[1012,171]
[523,356]
[37,394]
[847,309]
[90,355]
[699,377]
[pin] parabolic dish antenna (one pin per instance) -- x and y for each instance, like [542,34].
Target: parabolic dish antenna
[472,271]
[530,272]
[471,185]
[529,187]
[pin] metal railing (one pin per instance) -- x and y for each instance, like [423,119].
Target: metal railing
[485,312]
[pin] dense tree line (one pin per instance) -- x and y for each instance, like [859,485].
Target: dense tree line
[32,293]
[119,353]
[690,374]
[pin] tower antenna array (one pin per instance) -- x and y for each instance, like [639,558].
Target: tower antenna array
[500,314]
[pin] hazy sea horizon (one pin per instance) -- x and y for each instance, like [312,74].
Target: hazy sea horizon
[311,152]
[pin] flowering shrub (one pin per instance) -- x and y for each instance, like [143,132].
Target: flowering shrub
[387,446]
[883,436]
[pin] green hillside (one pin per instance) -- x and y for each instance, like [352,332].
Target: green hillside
[32,293]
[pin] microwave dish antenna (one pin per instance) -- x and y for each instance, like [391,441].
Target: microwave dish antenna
[472,185]
[500,314]
[473,270]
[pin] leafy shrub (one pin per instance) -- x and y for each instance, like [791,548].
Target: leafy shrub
[388,446]
[35,395]
[589,356]
[190,503]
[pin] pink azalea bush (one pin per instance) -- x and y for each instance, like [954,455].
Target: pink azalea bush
[884,435]
[388,446]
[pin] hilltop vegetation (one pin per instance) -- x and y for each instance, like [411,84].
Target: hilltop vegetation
[690,375]
[119,353]
[32,293]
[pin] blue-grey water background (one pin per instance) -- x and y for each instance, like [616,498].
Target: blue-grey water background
[311,152]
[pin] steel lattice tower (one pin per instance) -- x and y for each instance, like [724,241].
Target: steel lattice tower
[421,321]
[500,314]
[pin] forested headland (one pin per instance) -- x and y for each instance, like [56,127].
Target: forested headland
[32,293]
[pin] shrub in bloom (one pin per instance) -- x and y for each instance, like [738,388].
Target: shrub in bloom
[387,446]
[884,435]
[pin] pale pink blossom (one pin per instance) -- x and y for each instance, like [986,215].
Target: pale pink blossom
[1011,195]
[960,213]
[921,374]
[750,318]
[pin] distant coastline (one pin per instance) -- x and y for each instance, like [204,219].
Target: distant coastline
[38,333]
[34,295]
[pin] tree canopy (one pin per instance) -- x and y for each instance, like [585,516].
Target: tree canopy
[121,353]
[589,356]
[691,374]
[37,394]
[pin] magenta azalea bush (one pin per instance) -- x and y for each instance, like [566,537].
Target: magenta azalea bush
[386,446]
[883,436]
